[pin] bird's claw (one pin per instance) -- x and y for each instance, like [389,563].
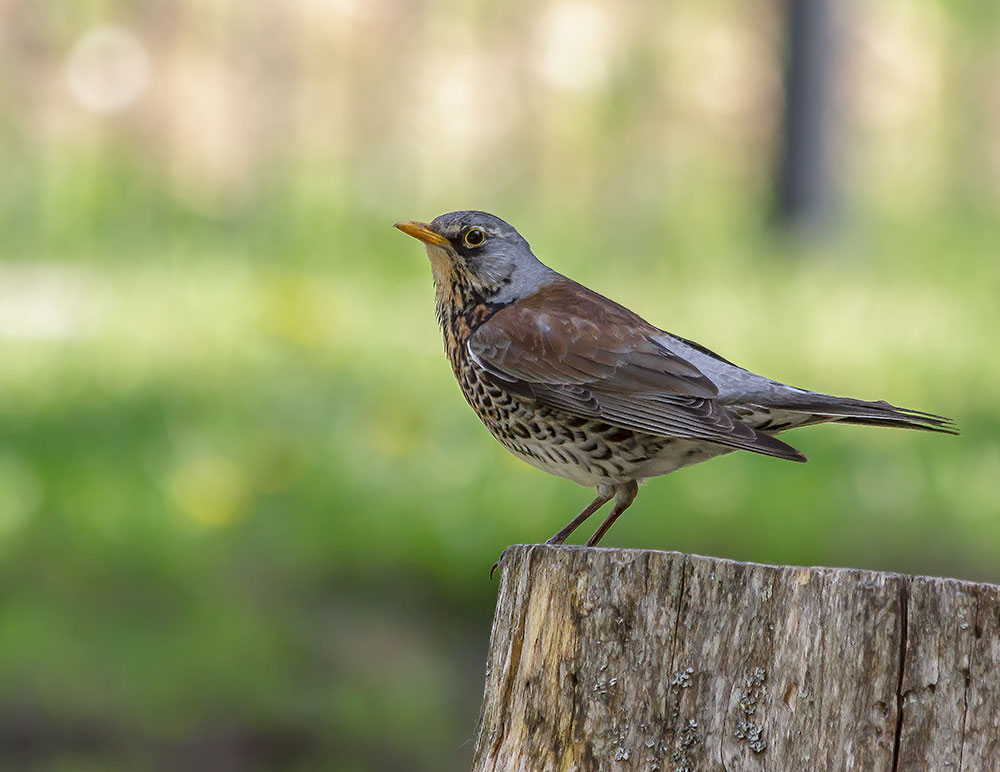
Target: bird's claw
[499,561]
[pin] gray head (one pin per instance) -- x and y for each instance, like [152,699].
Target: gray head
[482,251]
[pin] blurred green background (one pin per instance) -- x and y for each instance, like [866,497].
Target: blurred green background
[246,518]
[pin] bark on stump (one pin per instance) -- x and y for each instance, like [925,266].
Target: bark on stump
[607,659]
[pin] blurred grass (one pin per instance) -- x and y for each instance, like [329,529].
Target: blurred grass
[240,496]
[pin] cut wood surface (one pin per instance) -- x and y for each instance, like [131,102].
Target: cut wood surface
[608,659]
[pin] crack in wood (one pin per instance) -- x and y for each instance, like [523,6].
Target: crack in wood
[673,646]
[904,602]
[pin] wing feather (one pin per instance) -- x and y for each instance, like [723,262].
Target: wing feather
[548,347]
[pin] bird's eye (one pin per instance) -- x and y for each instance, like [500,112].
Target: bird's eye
[474,237]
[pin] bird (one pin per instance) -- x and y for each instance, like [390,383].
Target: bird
[581,387]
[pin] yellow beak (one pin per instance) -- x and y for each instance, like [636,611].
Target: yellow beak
[423,232]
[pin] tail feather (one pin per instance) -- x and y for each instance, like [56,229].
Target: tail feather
[857,411]
[768,445]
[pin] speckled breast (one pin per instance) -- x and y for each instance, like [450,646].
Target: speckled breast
[587,451]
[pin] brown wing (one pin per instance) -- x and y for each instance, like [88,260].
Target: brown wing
[570,348]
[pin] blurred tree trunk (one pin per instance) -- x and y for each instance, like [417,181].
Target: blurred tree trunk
[804,184]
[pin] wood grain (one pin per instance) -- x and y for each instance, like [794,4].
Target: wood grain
[607,659]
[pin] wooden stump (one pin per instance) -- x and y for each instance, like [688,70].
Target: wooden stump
[607,659]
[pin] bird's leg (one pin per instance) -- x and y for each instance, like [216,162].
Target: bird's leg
[604,494]
[623,500]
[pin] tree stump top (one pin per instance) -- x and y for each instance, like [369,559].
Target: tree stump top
[637,659]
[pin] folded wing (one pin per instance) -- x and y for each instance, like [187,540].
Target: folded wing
[569,348]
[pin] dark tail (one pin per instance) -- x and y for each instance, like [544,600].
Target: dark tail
[845,410]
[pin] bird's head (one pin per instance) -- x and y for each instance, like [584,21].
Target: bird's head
[480,251]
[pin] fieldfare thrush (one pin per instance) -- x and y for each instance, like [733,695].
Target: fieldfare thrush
[579,386]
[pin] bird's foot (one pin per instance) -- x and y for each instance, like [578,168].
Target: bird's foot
[499,561]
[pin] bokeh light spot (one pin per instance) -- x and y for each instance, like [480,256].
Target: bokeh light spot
[211,490]
[108,69]
[574,46]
